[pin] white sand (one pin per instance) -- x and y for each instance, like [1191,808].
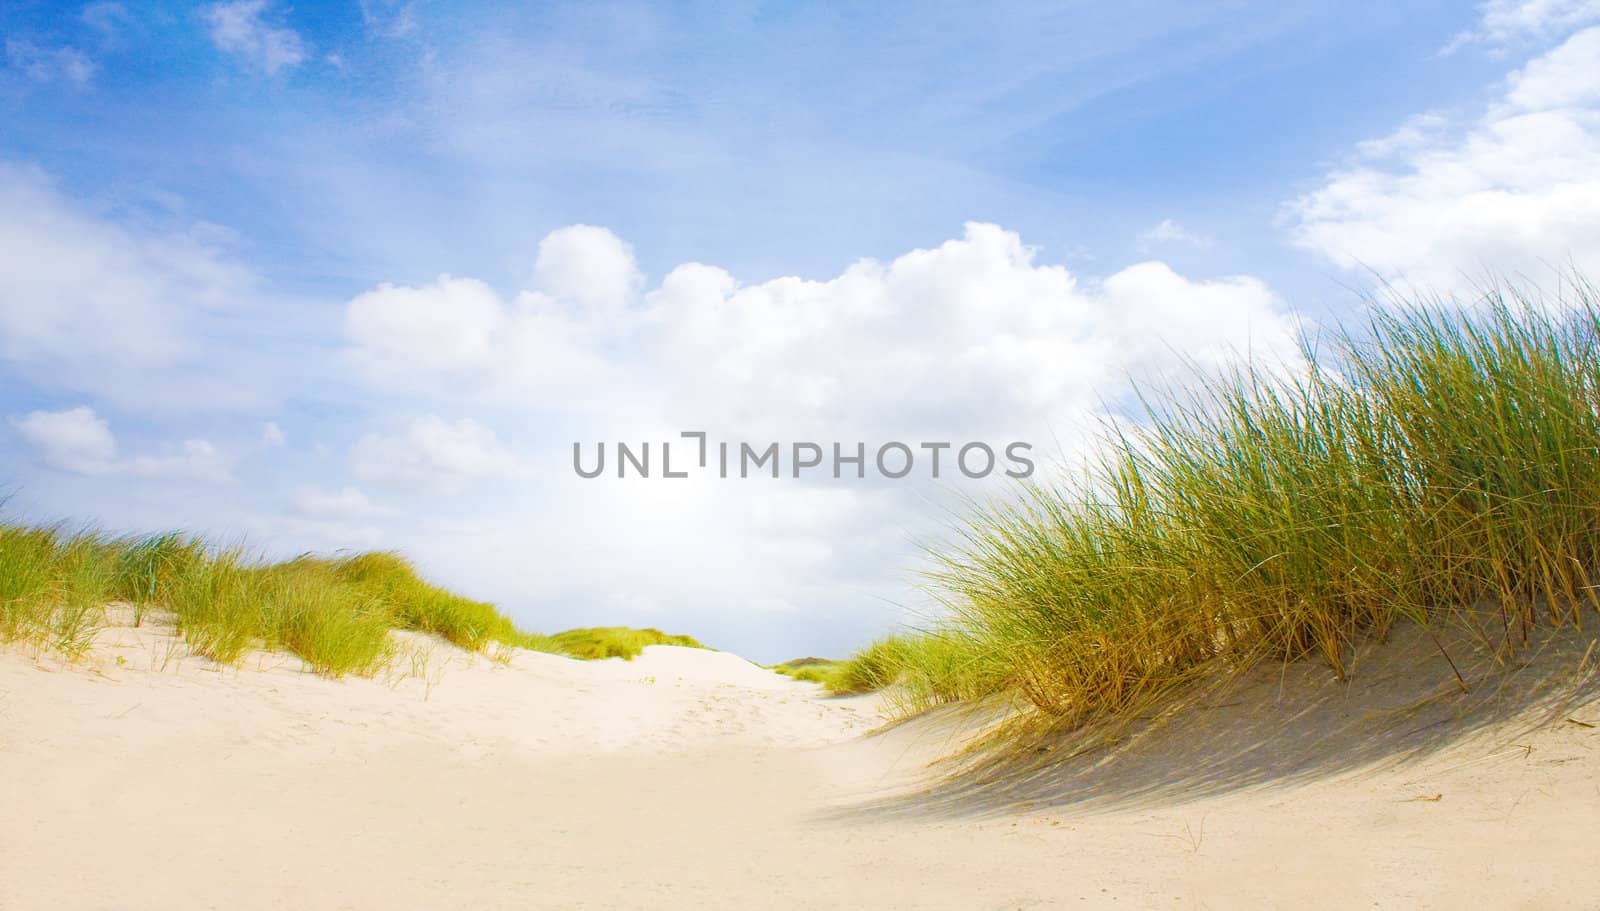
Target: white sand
[690,779]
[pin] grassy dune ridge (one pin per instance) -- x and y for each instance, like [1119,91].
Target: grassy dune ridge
[810,670]
[1443,465]
[335,612]
[614,641]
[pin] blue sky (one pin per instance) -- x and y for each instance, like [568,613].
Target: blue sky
[722,133]
[226,226]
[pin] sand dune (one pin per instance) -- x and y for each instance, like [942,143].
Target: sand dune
[694,779]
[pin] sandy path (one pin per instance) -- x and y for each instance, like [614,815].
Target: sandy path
[695,780]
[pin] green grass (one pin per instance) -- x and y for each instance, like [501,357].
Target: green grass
[926,669]
[810,670]
[614,641]
[53,585]
[1444,464]
[336,613]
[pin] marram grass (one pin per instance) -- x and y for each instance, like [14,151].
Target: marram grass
[336,613]
[809,670]
[1445,467]
[615,641]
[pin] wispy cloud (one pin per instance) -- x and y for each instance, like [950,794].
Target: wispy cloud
[91,304]
[49,64]
[1170,232]
[239,28]
[389,18]
[1507,22]
[107,17]
[342,503]
[432,454]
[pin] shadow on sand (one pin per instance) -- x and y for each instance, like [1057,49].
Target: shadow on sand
[1277,723]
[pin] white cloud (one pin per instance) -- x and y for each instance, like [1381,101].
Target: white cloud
[1412,136]
[1516,191]
[1508,21]
[1170,232]
[86,303]
[79,441]
[43,64]
[238,28]
[75,440]
[978,338]
[589,266]
[344,503]
[1565,79]
[1164,320]
[430,453]
[458,332]
[450,327]
[272,434]
[973,334]
[973,337]
[195,460]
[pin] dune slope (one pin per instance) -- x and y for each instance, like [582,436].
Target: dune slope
[694,779]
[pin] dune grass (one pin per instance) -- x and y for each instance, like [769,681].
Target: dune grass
[53,585]
[810,670]
[925,670]
[1443,463]
[336,613]
[614,641]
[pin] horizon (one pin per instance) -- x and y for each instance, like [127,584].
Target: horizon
[361,277]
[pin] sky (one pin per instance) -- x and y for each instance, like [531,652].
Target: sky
[339,276]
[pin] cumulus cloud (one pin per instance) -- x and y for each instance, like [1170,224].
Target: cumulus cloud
[49,64]
[458,332]
[432,454]
[588,266]
[1565,79]
[75,440]
[79,441]
[272,434]
[238,28]
[980,338]
[974,335]
[1440,203]
[447,328]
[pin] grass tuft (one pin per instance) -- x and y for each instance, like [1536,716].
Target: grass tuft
[1443,462]
[336,613]
[809,670]
[924,669]
[615,641]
